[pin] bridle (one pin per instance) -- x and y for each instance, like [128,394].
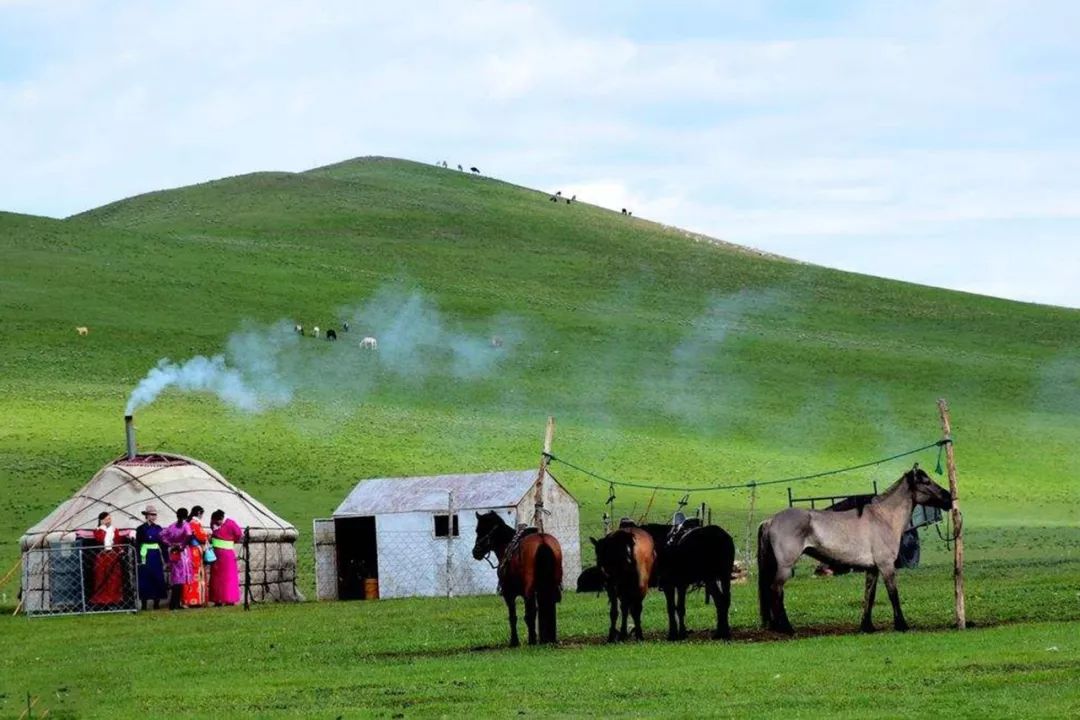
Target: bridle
[485,541]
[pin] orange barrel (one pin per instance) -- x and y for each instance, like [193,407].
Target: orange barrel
[371,588]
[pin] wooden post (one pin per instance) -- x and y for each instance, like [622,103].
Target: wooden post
[247,568]
[957,518]
[538,493]
[748,544]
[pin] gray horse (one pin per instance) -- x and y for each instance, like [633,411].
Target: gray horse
[866,538]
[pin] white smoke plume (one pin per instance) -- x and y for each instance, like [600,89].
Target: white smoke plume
[264,367]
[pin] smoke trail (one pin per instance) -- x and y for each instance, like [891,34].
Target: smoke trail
[199,374]
[264,367]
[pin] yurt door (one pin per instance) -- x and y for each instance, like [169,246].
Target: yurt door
[326,573]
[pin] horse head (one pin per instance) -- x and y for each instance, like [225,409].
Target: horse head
[925,491]
[614,553]
[487,529]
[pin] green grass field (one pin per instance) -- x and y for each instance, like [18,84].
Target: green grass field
[665,359]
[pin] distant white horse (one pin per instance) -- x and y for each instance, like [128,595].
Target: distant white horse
[369,343]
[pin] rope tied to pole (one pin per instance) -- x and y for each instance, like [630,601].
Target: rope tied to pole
[738,486]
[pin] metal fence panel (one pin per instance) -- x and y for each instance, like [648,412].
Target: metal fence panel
[72,579]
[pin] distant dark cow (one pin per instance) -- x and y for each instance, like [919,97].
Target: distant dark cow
[624,211]
[331,335]
[591,580]
[461,168]
[475,170]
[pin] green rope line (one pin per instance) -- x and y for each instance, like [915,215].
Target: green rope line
[752,483]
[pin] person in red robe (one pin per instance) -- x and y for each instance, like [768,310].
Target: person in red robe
[108,566]
[195,591]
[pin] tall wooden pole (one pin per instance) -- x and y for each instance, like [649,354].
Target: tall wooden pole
[538,493]
[957,518]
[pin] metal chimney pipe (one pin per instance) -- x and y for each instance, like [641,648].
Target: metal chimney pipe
[129,431]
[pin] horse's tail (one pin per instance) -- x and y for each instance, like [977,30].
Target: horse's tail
[766,573]
[546,583]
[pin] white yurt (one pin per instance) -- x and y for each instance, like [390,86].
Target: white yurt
[127,485]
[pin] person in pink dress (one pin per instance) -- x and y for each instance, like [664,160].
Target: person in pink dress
[177,538]
[224,579]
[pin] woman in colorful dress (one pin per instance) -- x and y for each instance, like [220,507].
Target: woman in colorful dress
[108,576]
[177,537]
[224,579]
[195,591]
[151,559]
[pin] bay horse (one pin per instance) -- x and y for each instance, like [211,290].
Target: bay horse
[626,558]
[688,555]
[866,538]
[530,567]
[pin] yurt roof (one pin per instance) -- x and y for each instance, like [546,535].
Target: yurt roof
[125,486]
[422,494]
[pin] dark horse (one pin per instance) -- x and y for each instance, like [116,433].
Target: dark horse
[626,558]
[688,556]
[530,566]
[867,538]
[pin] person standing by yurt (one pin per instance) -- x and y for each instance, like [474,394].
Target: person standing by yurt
[195,591]
[224,579]
[108,578]
[151,559]
[177,536]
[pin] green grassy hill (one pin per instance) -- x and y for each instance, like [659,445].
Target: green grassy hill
[666,359]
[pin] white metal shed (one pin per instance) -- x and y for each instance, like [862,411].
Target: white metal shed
[414,536]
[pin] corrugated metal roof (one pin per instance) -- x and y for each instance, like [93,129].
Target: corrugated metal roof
[471,492]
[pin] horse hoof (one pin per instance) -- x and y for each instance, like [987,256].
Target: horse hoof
[902,628]
[867,629]
[721,635]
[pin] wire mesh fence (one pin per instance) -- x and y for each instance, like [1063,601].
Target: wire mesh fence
[74,579]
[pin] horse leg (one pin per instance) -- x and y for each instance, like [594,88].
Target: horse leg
[780,622]
[722,601]
[868,600]
[625,609]
[530,618]
[669,595]
[899,623]
[511,606]
[635,610]
[613,605]
[682,612]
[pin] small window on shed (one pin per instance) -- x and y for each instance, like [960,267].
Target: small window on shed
[442,525]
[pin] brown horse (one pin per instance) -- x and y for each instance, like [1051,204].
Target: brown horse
[626,557]
[530,567]
[867,538]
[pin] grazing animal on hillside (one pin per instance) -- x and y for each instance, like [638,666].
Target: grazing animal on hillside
[530,567]
[460,168]
[473,169]
[496,341]
[315,331]
[331,335]
[626,557]
[567,201]
[82,330]
[573,198]
[867,538]
[624,211]
[553,199]
[690,554]
[369,343]
[345,327]
[444,163]
[299,329]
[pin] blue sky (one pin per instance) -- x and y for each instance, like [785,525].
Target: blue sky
[936,142]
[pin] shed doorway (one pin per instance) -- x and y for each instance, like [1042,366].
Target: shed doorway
[357,556]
